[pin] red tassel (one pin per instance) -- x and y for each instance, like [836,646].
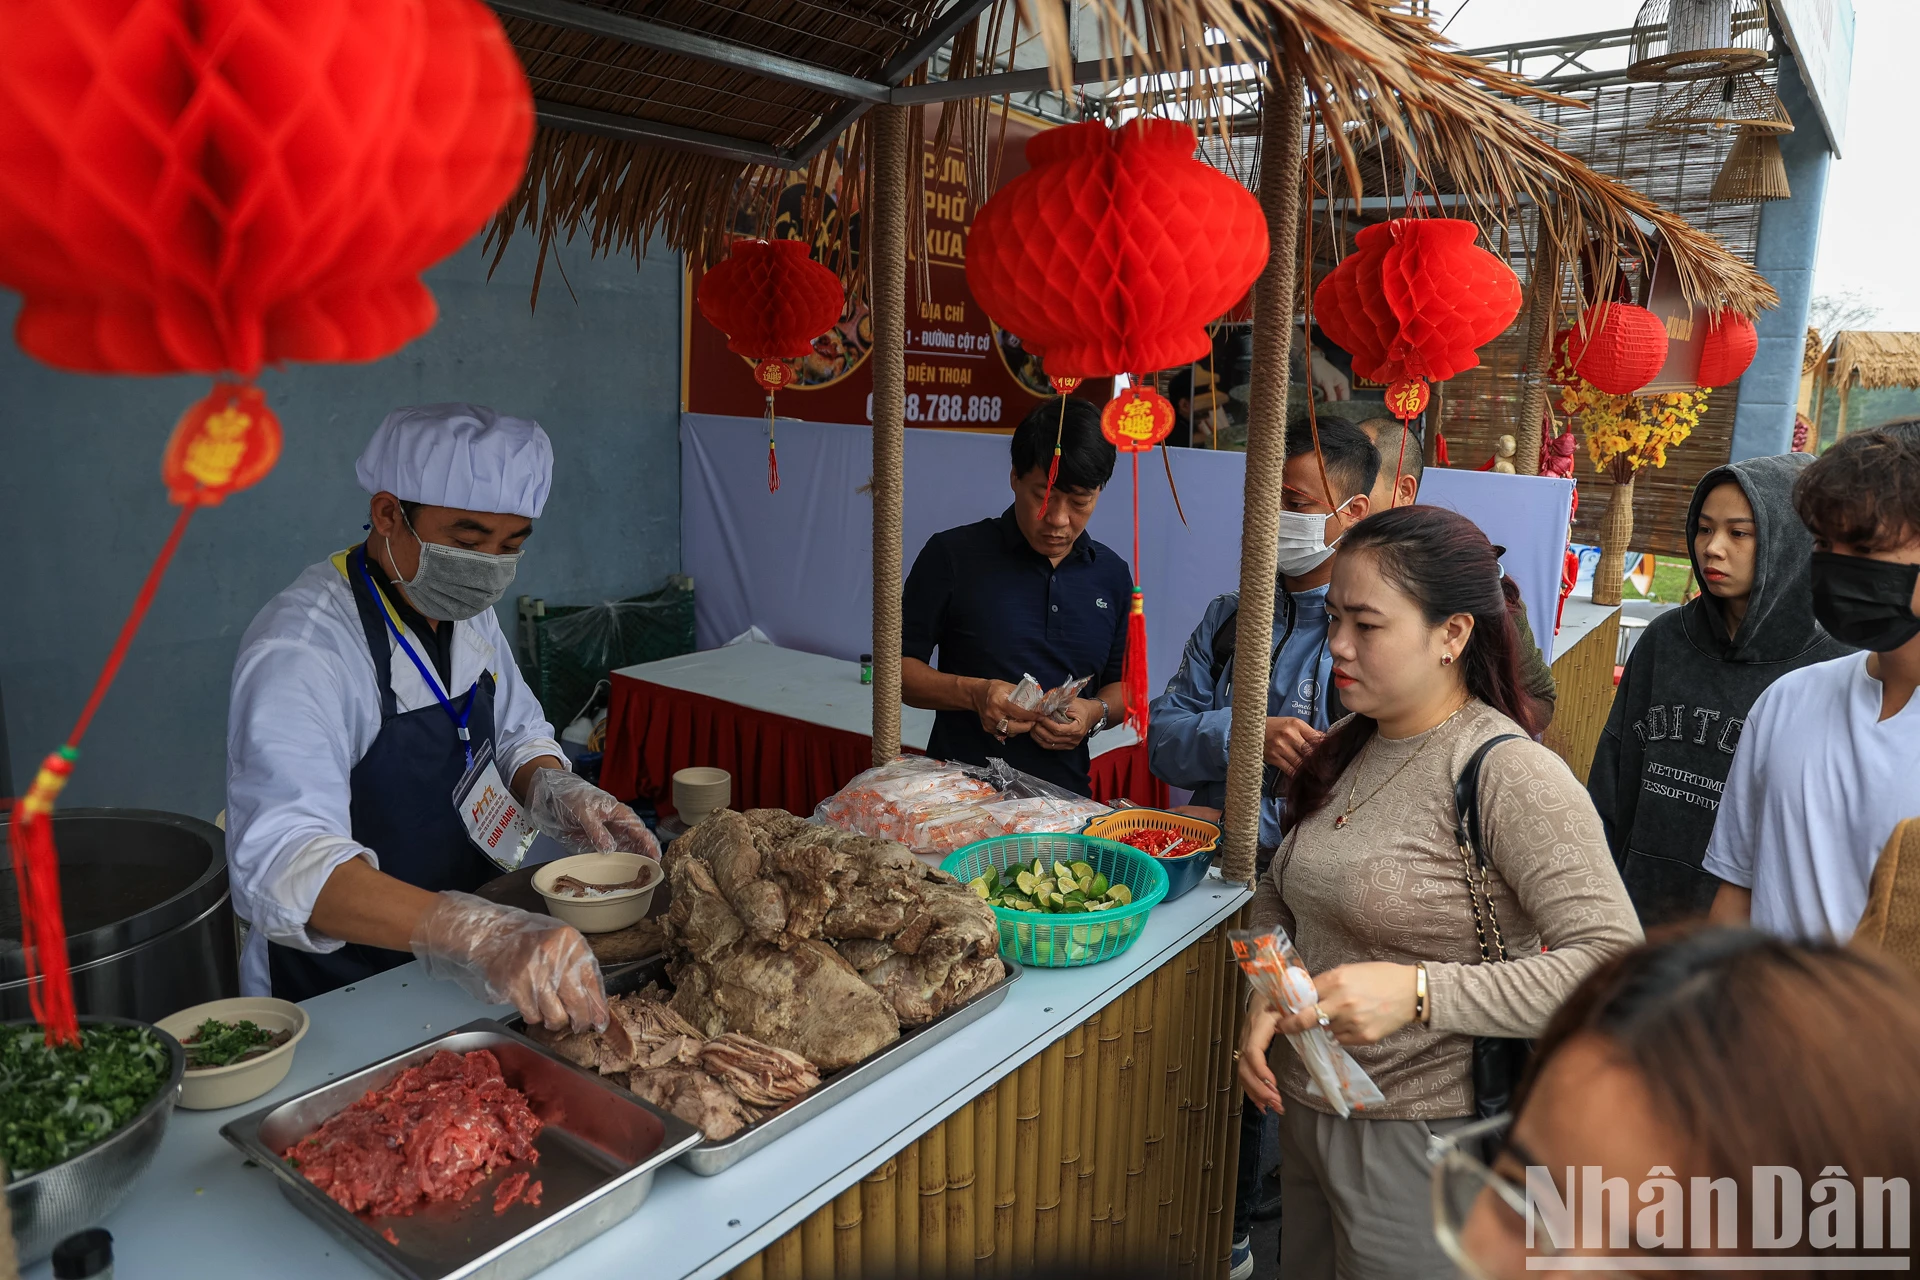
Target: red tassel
[1053,474]
[43,933]
[1440,450]
[773,463]
[1134,673]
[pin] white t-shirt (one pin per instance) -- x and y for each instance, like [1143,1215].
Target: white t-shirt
[1818,784]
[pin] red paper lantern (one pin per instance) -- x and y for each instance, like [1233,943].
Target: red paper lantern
[771,299]
[1115,249]
[1728,349]
[1416,299]
[214,185]
[1619,347]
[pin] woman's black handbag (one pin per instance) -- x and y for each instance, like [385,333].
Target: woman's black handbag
[1498,1061]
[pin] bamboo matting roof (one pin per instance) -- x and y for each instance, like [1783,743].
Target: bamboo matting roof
[676,118]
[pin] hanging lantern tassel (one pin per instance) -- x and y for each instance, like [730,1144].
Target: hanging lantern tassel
[1065,387]
[1133,422]
[772,375]
[224,443]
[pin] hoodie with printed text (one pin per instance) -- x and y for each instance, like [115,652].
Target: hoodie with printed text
[1663,758]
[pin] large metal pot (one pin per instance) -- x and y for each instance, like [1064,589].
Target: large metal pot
[148,914]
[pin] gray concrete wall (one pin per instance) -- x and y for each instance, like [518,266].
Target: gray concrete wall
[1789,244]
[79,474]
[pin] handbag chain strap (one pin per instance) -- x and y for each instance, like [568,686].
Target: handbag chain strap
[1466,829]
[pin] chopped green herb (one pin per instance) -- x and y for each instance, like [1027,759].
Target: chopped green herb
[55,1103]
[221,1044]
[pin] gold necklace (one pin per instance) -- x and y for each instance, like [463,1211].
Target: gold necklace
[1340,823]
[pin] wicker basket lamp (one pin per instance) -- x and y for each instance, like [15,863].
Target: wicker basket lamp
[1697,39]
[1754,170]
[1737,101]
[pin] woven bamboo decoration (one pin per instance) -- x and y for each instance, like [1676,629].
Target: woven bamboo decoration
[1614,537]
[1754,170]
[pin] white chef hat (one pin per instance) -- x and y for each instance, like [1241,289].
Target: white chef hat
[460,455]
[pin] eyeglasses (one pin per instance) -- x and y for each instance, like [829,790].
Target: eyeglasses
[1484,1220]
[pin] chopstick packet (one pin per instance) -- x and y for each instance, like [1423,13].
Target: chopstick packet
[1274,967]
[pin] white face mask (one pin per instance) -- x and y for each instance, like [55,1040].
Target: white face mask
[453,584]
[1303,540]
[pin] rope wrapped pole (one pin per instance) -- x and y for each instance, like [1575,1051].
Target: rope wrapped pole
[1282,117]
[1543,302]
[887,270]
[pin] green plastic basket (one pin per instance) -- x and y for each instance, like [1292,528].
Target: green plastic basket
[1066,941]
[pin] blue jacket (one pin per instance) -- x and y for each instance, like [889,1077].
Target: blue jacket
[1188,727]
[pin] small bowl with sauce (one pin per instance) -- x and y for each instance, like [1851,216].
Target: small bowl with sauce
[236,1049]
[598,892]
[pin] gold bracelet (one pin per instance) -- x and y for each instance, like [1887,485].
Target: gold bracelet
[1421,1009]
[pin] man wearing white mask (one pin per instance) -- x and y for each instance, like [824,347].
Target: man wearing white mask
[385,757]
[1188,728]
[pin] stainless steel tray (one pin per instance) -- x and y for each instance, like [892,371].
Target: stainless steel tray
[708,1158]
[598,1154]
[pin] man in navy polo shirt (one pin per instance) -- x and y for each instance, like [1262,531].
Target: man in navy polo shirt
[1023,594]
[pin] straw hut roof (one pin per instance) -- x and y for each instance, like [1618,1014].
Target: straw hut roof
[677,118]
[1877,359]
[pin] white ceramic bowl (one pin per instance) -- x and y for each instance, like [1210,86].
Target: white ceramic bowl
[599,915]
[215,1087]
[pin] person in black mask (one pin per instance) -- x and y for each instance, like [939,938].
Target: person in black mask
[1664,756]
[1829,758]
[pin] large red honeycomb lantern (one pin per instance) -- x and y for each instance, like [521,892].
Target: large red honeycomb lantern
[1415,301]
[213,186]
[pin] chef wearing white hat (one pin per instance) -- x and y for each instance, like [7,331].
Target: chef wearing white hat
[384,756]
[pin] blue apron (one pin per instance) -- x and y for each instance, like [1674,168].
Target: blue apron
[402,807]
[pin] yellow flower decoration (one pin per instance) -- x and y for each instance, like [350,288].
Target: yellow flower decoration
[1633,432]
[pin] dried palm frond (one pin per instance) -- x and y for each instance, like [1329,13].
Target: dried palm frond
[1376,78]
[1811,353]
[1373,72]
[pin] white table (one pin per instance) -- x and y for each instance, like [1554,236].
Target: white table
[199,1212]
[804,686]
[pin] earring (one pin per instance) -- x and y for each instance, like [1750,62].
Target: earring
[1446,659]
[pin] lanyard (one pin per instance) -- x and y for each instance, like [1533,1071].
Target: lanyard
[459,718]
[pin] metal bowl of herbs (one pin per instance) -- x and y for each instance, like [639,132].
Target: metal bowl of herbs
[79,1125]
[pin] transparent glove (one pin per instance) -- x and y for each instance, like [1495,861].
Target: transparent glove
[504,955]
[583,817]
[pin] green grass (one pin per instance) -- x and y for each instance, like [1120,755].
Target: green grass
[1670,581]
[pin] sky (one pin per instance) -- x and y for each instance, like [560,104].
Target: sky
[1873,190]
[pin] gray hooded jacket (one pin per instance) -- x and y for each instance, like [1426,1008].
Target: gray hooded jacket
[1663,758]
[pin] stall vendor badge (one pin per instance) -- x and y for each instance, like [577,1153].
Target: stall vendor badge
[494,819]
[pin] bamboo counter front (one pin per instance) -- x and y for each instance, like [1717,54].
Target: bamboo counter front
[1091,1121]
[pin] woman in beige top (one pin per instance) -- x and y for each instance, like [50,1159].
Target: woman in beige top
[1371,886]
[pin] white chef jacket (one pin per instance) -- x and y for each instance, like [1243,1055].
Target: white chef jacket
[305,708]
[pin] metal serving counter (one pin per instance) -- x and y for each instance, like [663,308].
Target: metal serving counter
[200,1211]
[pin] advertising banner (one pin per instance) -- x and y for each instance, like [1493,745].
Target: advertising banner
[962,371]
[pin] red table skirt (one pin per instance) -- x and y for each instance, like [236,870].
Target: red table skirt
[777,762]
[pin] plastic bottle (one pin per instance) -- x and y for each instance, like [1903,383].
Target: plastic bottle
[866,668]
[86,1255]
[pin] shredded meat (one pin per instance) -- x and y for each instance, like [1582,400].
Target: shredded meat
[433,1134]
[718,1086]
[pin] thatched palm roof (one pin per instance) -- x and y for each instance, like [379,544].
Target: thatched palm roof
[672,117]
[1876,359]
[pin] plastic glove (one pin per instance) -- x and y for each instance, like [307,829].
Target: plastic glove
[504,955]
[583,817]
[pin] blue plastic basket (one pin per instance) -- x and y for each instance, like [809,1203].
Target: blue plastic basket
[1183,874]
[1066,941]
